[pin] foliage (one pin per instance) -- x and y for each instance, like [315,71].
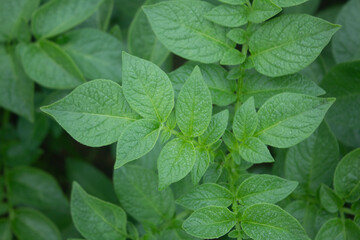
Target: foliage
[255,135]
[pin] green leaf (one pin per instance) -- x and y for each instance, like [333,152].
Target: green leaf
[245,120]
[57,16]
[255,151]
[194,107]
[215,129]
[228,16]
[97,53]
[136,140]
[210,222]
[96,219]
[288,3]
[343,82]
[48,65]
[346,43]
[262,10]
[101,18]
[269,222]
[274,56]
[31,224]
[176,160]
[202,161]
[181,27]
[12,15]
[262,88]
[238,35]
[310,215]
[35,188]
[264,189]
[329,199]
[232,57]
[16,89]
[233,2]
[347,178]
[222,90]
[288,118]
[313,161]
[93,181]
[94,114]
[147,88]
[208,194]
[335,227]
[137,190]
[5,229]
[142,41]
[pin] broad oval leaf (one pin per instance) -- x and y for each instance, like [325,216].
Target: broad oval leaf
[95,113]
[313,161]
[57,16]
[269,222]
[204,195]
[147,88]
[346,43]
[282,45]
[210,222]
[176,160]
[264,189]
[181,27]
[60,72]
[31,224]
[97,53]
[288,118]
[194,106]
[136,140]
[96,219]
[347,177]
[137,190]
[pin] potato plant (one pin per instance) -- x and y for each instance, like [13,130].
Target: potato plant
[218,119]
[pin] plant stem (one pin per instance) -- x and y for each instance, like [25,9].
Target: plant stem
[348,211]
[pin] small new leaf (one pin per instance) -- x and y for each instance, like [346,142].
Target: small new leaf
[245,120]
[228,16]
[255,151]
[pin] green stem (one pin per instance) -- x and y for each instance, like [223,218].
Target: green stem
[348,211]
[8,200]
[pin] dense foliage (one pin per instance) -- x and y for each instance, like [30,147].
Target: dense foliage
[229,119]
